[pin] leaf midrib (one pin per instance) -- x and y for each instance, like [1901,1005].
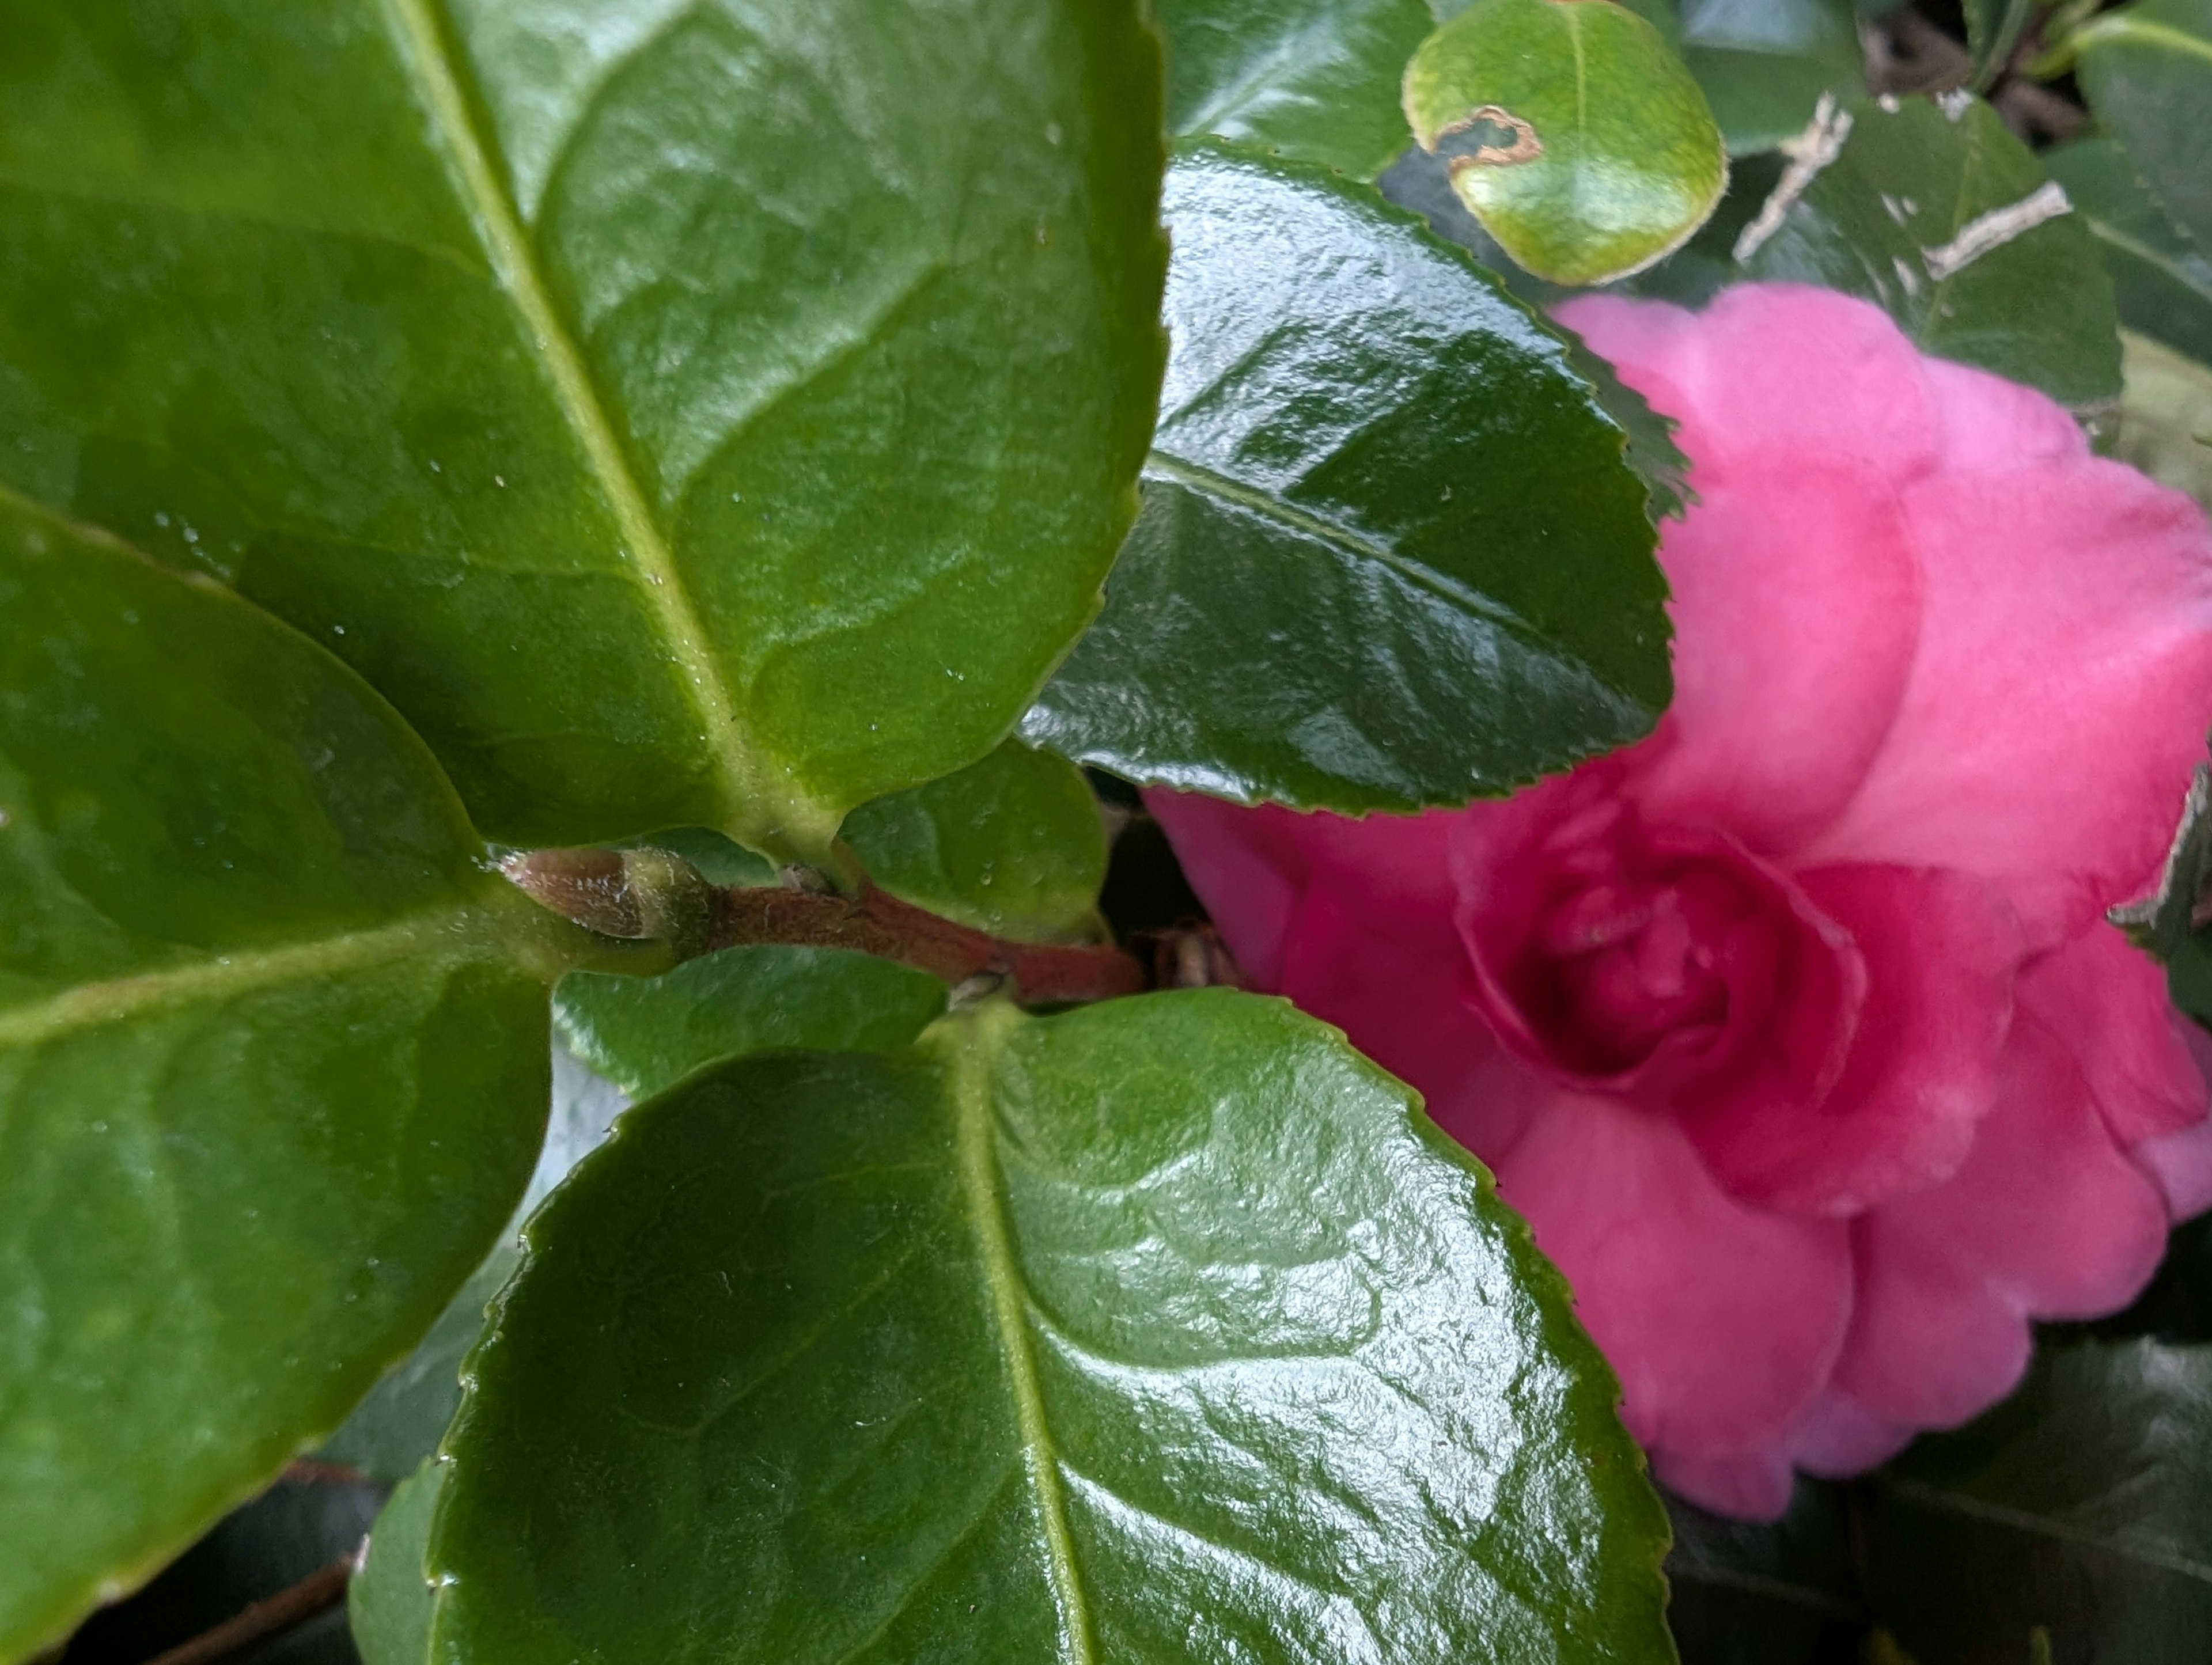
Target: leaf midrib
[2022,1520]
[90,1005]
[2121,29]
[975,1041]
[649,559]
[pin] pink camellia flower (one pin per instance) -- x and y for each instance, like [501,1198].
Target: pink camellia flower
[1796,1031]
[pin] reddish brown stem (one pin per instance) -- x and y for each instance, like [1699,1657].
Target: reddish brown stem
[879,923]
[318,1590]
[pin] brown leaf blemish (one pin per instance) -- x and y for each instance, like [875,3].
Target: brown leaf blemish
[1526,146]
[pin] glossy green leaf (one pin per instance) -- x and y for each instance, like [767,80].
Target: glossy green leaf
[1764,64]
[2082,1506]
[272,1057]
[715,414]
[2166,417]
[1753,1593]
[396,1427]
[1317,80]
[1160,1331]
[1574,134]
[2161,280]
[1012,845]
[2146,70]
[390,1602]
[1940,216]
[645,1034]
[1390,554]
[1994,28]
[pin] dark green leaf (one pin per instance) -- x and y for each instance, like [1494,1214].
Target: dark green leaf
[1947,221]
[644,1034]
[2146,70]
[1390,554]
[272,1057]
[1313,79]
[715,415]
[2082,1506]
[1765,65]
[1574,134]
[1012,845]
[2160,279]
[390,1602]
[1161,1331]
[1993,31]
[1744,1593]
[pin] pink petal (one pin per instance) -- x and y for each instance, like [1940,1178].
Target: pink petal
[1837,1437]
[2106,1002]
[1247,868]
[1722,1321]
[1990,423]
[2045,1219]
[1751,1486]
[2052,764]
[2180,1164]
[1796,609]
[1737,377]
[1939,951]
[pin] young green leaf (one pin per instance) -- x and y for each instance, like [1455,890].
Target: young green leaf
[390,1602]
[1765,67]
[1164,1330]
[1390,554]
[1575,133]
[2146,70]
[1317,80]
[1934,212]
[272,1057]
[1993,31]
[715,415]
[645,1034]
[2082,1506]
[2161,280]
[1012,845]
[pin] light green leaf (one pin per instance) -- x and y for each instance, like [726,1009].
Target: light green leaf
[272,1057]
[1390,554]
[1764,64]
[2082,1505]
[1012,845]
[715,414]
[2165,418]
[2146,70]
[390,1603]
[1317,80]
[2161,280]
[1993,31]
[1576,136]
[1164,1330]
[645,1034]
[1941,217]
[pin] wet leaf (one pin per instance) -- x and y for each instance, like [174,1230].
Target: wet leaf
[707,415]
[1940,216]
[2146,70]
[2080,1506]
[2161,280]
[1012,845]
[1390,553]
[1317,80]
[267,1024]
[1765,65]
[1145,1333]
[1574,134]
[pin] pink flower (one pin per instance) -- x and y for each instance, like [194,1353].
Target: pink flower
[1796,1031]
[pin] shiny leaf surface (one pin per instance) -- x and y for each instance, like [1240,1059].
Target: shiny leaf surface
[645,1034]
[1390,554]
[1574,134]
[1944,219]
[266,1025]
[2082,1506]
[1317,80]
[717,413]
[1012,845]
[1160,1331]
[390,1602]
[2161,280]
[1764,63]
[2146,70]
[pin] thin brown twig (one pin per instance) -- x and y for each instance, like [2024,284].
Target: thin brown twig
[321,1589]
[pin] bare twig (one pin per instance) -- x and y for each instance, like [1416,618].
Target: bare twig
[320,1589]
